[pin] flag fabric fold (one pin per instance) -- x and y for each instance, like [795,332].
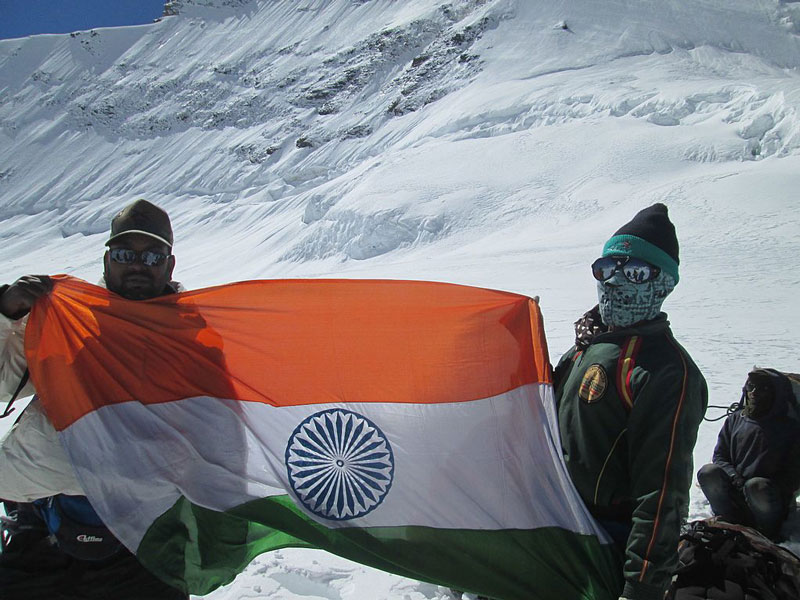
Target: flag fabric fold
[405,425]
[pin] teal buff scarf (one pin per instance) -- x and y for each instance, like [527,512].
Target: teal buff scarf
[624,303]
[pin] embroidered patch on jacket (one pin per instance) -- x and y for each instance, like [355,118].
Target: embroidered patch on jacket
[594,384]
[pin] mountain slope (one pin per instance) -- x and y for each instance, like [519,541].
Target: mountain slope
[489,142]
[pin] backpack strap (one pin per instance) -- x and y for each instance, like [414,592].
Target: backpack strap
[23,381]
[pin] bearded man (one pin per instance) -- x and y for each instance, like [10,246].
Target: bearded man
[54,546]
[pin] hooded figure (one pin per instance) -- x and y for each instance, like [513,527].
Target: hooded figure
[759,395]
[630,400]
[755,474]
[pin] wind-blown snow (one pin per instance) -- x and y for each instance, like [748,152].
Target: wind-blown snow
[496,143]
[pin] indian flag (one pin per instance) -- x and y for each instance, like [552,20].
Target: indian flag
[405,425]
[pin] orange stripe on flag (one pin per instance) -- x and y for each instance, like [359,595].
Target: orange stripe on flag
[282,342]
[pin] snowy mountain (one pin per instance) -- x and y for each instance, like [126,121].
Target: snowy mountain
[496,143]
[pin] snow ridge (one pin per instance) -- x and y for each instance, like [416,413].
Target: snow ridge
[276,102]
[487,142]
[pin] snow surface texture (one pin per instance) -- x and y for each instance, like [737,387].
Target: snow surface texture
[496,143]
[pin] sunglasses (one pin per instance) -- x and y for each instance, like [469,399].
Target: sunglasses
[148,258]
[635,270]
[752,388]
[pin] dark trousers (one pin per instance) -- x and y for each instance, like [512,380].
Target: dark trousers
[32,567]
[758,503]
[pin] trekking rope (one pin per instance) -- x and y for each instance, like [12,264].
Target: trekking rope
[21,385]
[6,523]
[15,521]
[9,525]
[729,410]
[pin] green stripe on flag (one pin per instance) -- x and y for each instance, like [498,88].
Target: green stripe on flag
[198,550]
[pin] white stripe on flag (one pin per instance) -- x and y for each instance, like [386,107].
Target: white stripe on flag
[484,464]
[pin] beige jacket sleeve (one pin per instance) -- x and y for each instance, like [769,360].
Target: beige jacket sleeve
[12,359]
[33,463]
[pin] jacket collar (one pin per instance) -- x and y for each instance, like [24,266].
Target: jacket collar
[590,328]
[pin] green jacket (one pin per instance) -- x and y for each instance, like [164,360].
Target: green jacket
[629,405]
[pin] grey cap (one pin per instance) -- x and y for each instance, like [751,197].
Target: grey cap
[142,217]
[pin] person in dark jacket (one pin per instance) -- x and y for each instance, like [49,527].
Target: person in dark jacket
[630,400]
[755,474]
[54,546]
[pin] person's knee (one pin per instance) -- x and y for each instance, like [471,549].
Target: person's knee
[712,477]
[762,495]
[766,504]
[758,487]
[764,500]
[706,471]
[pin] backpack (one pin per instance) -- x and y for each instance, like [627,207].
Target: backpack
[732,562]
[793,381]
[76,528]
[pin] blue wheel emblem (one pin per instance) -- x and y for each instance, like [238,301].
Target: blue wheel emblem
[340,465]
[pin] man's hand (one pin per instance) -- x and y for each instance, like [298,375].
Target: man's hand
[737,481]
[19,297]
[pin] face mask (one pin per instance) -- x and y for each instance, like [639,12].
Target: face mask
[624,303]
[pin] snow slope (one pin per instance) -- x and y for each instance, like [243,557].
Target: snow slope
[496,143]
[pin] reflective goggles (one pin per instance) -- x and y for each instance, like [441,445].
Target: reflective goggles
[756,388]
[635,270]
[148,258]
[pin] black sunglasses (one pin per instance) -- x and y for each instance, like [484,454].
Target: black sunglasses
[148,258]
[751,387]
[635,270]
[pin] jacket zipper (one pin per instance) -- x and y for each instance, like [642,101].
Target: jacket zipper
[605,463]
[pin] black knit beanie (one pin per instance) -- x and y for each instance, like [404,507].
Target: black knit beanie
[650,235]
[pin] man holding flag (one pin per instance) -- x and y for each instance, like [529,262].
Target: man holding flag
[54,544]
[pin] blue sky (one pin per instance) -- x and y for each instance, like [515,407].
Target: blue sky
[19,18]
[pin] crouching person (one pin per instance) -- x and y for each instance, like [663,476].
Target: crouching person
[755,473]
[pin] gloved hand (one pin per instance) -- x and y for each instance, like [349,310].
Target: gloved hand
[18,298]
[737,481]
